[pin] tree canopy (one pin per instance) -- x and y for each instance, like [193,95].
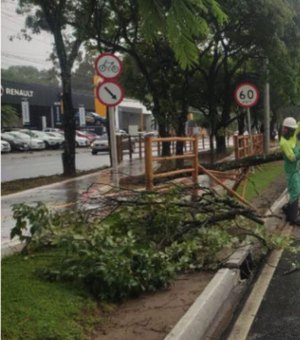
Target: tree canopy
[30,74]
[180,53]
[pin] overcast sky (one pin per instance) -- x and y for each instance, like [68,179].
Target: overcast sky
[21,52]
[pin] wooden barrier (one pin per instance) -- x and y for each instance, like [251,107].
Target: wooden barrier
[245,146]
[149,158]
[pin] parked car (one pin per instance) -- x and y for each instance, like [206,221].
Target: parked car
[53,130]
[91,118]
[91,136]
[102,144]
[5,146]
[121,133]
[79,141]
[50,141]
[34,143]
[16,144]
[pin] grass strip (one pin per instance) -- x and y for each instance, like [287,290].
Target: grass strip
[260,178]
[33,308]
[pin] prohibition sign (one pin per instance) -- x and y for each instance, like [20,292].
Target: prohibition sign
[108,66]
[246,95]
[110,93]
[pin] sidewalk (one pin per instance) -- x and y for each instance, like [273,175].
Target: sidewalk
[62,194]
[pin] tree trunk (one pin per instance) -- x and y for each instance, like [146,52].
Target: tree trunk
[245,162]
[221,144]
[180,133]
[165,145]
[68,156]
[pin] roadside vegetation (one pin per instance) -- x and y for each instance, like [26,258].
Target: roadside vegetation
[259,178]
[53,289]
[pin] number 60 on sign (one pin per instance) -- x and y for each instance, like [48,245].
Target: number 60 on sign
[246,95]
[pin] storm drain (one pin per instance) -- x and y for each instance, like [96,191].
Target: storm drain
[242,259]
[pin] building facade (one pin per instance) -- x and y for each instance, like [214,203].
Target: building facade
[40,106]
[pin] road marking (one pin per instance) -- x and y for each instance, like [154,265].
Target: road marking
[244,322]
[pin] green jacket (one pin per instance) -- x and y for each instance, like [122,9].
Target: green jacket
[291,155]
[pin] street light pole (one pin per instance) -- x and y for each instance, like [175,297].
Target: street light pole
[267,109]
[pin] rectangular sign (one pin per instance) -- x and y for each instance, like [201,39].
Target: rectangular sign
[25,112]
[82,121]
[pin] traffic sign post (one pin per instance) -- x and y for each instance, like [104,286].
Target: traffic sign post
[110,93]
[246,95]
[108,66]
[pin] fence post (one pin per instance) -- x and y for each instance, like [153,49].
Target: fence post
[158,148]
[140,146]
[236,146]
[195,165]
[130,147]
[148,163]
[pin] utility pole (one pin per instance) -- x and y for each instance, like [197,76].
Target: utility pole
[266,109]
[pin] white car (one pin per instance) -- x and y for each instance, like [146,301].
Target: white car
[50,141]
[79,141]
[5,146]
[34,143]
[56,130]
[101,144]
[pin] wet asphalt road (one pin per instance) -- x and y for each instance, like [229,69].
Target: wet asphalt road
[278,317]
[48,162]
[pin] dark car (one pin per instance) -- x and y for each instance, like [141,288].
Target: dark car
[91,119]
[16,144]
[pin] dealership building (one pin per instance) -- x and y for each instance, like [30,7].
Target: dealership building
[40,106]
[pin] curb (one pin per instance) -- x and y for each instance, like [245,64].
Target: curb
[212,311]
[11,248]
[197,320]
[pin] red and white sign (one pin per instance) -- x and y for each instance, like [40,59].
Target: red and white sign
[110,93]
[246,95]
[108,66]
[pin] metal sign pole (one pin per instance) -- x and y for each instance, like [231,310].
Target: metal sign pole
[267,110]
[113,146]
[249,129]
[249,121]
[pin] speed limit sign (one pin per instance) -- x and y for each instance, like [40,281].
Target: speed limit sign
[246,95]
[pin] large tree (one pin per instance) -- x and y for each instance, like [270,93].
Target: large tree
[68,21]
[238,47]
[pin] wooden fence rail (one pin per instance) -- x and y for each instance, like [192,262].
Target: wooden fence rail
[250,145]
[150,158]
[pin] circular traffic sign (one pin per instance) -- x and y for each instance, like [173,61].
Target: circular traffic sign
[110,93]
[246,95]
[108,66]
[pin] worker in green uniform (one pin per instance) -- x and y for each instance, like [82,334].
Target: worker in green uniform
[291,155]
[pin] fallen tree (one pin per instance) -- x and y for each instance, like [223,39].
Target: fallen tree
[244,163]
